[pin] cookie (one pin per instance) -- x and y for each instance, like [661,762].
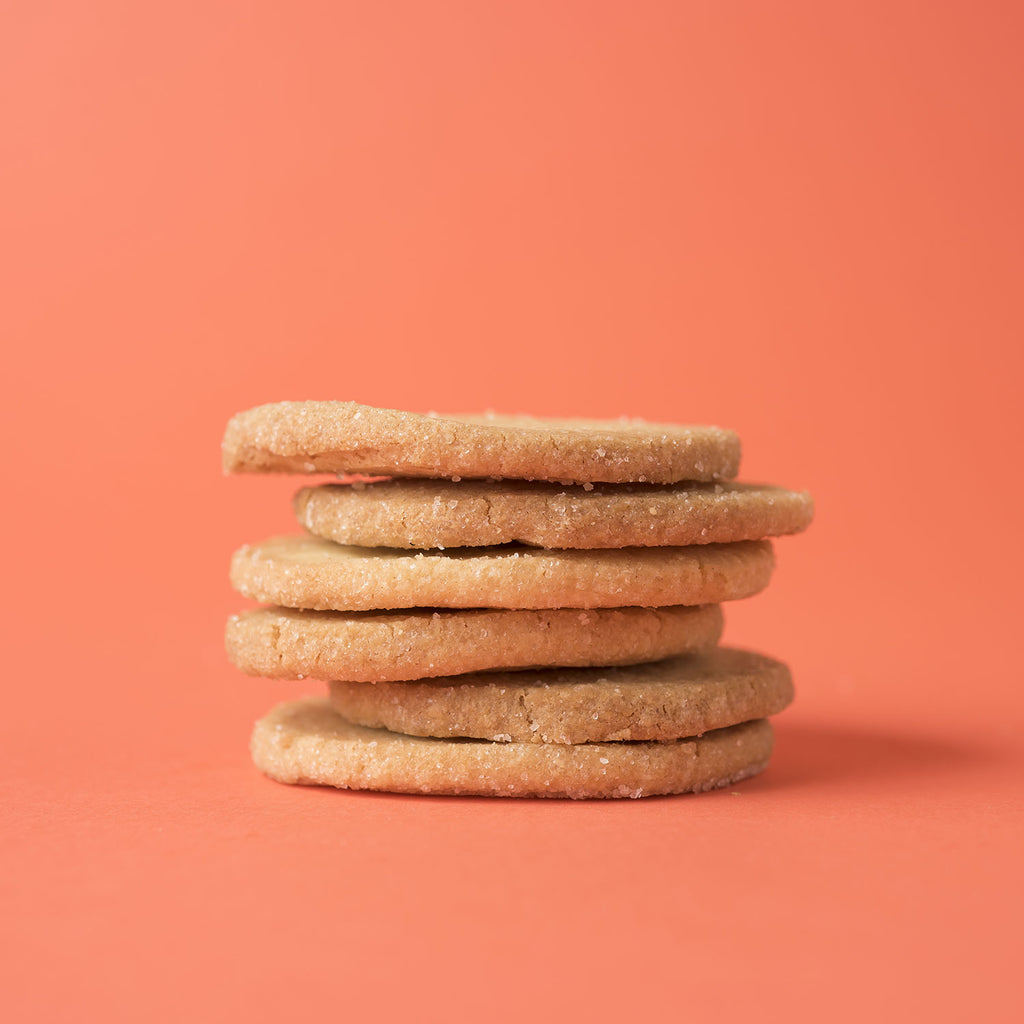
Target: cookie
[307,742]
[282,643]
[442,514]
[343,437]
[660,701]
[308,572]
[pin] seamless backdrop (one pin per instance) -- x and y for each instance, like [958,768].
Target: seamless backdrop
[801,221]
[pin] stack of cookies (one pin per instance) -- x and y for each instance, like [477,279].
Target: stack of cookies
[508,606]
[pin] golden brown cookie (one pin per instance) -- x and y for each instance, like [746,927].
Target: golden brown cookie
[472,513]
[308,572]
[307,742]
[343,437]
[662,700]
[282,643]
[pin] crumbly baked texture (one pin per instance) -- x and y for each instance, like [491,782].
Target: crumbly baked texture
[344,437]
[308,572]
[663,700]
[471,513]
[282,643]
[307,742]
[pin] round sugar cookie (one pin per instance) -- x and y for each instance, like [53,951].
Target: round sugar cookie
[374,647]
[308,743]
[308,572]
[343,437]
[660,701]
[473,513]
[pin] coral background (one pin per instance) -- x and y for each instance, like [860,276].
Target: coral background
[802,221]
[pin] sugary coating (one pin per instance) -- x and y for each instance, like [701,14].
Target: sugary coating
[308,572]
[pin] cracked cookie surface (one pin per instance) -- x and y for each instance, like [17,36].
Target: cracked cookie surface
[666,700]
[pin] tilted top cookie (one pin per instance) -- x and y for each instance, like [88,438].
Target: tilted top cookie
[343,437]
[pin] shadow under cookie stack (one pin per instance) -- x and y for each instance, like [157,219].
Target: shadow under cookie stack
[521,608]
